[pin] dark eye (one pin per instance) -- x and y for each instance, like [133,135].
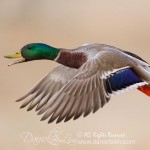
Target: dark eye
[29,47]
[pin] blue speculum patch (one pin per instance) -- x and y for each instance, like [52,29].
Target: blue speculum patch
[122,79]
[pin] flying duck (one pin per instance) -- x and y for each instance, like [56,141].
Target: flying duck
[84,80]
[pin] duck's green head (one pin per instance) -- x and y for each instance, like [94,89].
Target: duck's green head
[34,51]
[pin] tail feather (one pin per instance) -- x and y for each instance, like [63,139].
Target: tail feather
[145,89]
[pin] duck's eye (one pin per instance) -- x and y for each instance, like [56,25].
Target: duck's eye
[29,47]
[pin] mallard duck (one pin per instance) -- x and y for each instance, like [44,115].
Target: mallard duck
[84,80]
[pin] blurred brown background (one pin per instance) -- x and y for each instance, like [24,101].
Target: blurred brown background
[69,24]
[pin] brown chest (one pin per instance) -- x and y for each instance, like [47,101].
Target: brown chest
[72,59]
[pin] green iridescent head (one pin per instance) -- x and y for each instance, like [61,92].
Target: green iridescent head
[35,51]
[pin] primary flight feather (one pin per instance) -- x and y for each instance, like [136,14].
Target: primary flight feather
[84,81]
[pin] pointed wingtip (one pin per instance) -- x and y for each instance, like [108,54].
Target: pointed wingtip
[50,121]
[77,116]
[40,112]
[42,119]
[38,107]
[67,119]
[59,120]
[22,106]
[18,100]
[29,108]
[21,98]
[87,113]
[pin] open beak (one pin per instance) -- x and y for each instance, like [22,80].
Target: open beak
[16,55]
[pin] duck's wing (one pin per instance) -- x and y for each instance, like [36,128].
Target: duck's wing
[47,86]
[93,86]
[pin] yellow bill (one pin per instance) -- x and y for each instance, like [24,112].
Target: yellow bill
[16,55]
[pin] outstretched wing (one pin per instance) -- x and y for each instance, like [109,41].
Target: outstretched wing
[90,89]
[47,87]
